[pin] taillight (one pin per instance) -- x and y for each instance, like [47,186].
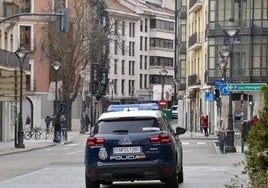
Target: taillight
[161,138]
[92,141]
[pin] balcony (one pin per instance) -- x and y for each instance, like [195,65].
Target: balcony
[194,80]
[195,41]
[195,5]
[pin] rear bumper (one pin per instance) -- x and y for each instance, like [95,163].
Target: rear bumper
[130,172]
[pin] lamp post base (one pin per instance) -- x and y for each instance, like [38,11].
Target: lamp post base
[20,143]
[229,148]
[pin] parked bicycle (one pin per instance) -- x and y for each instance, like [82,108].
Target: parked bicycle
[36,132]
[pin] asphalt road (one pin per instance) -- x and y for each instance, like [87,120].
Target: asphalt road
[61,166]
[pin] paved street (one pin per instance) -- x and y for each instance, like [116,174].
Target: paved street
[61,165]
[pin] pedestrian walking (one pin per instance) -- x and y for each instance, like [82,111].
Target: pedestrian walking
[205,124]
[28,122]
[87,123]
[47,121]
[57,129]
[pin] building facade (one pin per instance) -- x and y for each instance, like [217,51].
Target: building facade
[205,36]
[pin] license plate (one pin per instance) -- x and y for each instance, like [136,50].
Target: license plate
[133,149]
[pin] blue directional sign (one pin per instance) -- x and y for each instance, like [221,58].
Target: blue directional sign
[218,82]
[223,89]
[209,96]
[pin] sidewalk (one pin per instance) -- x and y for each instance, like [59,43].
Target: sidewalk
[197,136]
[9,147]
[200,136]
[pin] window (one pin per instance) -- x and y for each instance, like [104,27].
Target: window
[123,67]
[25,6]
[131,67]
[141,38]
[115,27]
[115,66]
[131,29]
[141,81]
[141,25]
[161,43]
[146,25]
[145,43]
[123,47]
[141,62]
[122,87]
[115,46]
[145,81]
[59,4]
[115,86]
[145,62]
[160,24]
[25,36]
[10,9]
[123,28]
[131,125]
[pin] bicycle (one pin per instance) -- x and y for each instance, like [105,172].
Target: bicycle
[37,131]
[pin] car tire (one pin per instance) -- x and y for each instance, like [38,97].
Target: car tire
[172,182]
[180,176]
[91,184]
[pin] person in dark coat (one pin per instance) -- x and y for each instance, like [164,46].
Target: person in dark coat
[57,128]
[47,121]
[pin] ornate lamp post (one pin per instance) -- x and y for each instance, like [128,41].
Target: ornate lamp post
[56,66]
[21,54]
[163,72]
[227,52]
[112,88]
[83,74]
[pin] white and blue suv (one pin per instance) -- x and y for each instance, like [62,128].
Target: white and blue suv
[133,145]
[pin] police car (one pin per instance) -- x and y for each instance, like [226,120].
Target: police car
[131,145]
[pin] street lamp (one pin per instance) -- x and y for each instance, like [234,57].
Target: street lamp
[112,88]
[163,72]
[175,81]
[21,54]
[227,52]
[56,66]
[83,74]
[132,92]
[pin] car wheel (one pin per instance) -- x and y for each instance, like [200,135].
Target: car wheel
[91,184]
[180,176]
[172,182]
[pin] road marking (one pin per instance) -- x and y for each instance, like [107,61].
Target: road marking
[201,143]
[185,143]
[76,152]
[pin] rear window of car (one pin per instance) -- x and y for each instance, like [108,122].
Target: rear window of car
[174,108]
[129,126]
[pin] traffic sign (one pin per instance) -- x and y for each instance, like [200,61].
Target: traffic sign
[245,87]
[223,89]
[163,103]
[218,82]
[209,96]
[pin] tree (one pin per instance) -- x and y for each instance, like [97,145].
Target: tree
[257,153]
[85,44]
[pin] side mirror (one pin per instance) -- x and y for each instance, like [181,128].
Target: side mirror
[180,130]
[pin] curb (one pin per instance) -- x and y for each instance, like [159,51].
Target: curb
[30,148]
